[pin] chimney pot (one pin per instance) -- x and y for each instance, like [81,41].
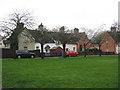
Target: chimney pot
[76,30]
[113,29]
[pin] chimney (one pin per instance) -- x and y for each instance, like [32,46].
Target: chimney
[62,29]
[113,29]
[76,30]
[40,27]
[20,25]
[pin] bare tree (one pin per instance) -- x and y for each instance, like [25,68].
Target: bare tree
[97,39]
[86,39]
[92,33]
[7,26]
[64,36]
[14,25]
[42,36]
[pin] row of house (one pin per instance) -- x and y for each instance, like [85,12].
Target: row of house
[27,41]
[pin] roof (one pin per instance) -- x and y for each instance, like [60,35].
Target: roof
[114,35]
[55,48]
[35,33]
[81,36]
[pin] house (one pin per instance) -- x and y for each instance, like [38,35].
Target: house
[109,42]
[46,46]
[70,47]
[1,42]
[2,45]
[75,46]
[27,40]
[118,48]
[83,42]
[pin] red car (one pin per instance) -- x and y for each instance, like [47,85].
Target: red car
[71,53]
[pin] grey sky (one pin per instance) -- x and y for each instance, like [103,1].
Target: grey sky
[70,13]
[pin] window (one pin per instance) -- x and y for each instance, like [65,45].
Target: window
[37,47]
[107,49]
[25,48]
[73,48]
[25,38]
[80,47]
[107,40]
[47,49]
[66,49]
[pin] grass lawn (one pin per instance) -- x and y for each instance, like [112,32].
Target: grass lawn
[70,72]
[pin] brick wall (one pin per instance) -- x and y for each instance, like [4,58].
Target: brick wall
[81,42]
[111,44]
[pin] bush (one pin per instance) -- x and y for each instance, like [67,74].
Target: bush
[94,51]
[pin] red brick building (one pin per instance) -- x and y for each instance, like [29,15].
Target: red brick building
[109,41]
[83,40]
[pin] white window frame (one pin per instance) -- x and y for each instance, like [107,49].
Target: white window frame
[25,38]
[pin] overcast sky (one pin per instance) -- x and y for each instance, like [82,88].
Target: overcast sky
[70,13]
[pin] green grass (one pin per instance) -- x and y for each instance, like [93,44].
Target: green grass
[71,72]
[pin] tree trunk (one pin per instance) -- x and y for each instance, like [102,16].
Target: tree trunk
[99,50]
[42,54]
[14,47]
[14,38]
[84,50]
[64,45]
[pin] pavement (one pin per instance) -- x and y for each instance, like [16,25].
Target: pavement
[60,56]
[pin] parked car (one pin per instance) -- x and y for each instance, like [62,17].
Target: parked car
[24,54]
[71,53]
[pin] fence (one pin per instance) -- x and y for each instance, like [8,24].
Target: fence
[7,53]
[97,53]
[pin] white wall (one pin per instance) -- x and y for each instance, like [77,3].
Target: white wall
[1,44]
[118,49]
[50,44]
[70,47]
